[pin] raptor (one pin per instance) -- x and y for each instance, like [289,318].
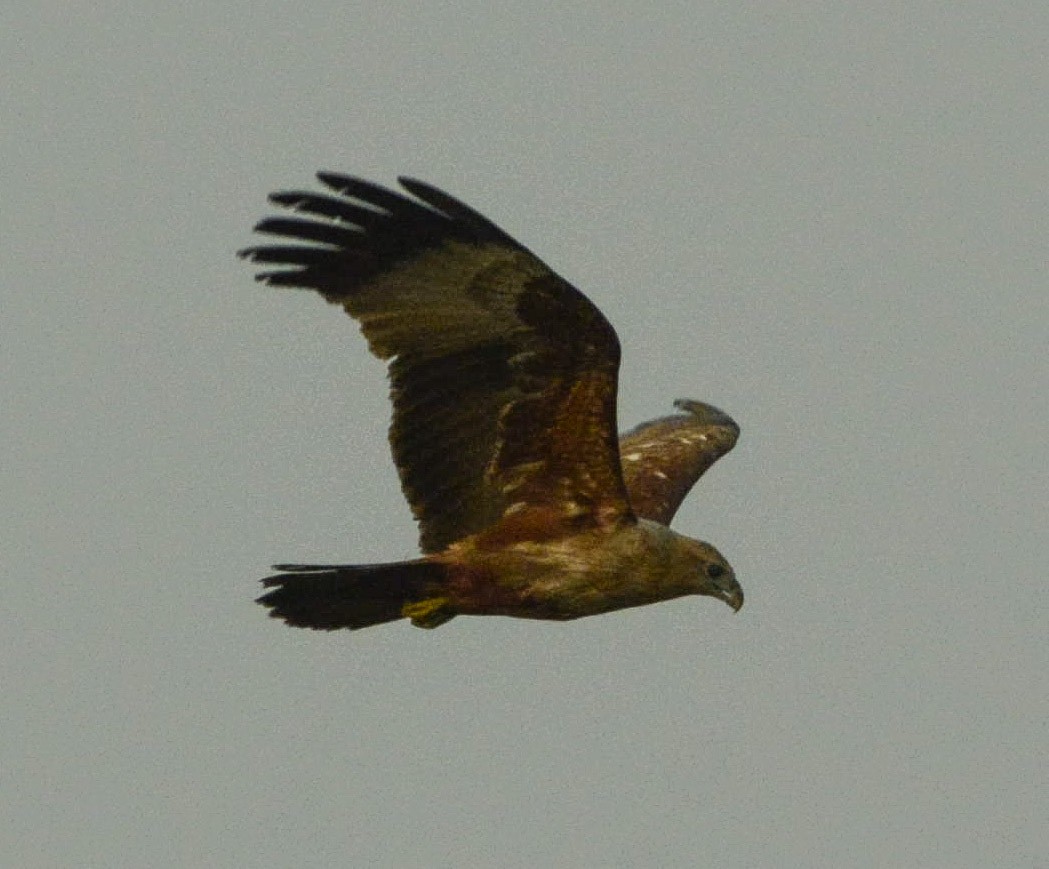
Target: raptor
[503,381]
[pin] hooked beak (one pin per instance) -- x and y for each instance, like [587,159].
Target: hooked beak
[732,596]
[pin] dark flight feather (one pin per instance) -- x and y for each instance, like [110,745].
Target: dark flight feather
[503,375]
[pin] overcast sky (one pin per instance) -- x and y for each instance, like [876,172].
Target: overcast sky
[829,219]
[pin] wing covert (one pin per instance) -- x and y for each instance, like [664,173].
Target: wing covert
[663,459]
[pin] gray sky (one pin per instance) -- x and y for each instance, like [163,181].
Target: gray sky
[828,219]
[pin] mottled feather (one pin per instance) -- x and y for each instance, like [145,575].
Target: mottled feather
[663,459]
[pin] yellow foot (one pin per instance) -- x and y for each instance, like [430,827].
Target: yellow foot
[428,613]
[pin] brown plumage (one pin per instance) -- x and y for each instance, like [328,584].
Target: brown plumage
[503,382]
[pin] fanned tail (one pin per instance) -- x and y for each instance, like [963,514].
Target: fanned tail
[329,597]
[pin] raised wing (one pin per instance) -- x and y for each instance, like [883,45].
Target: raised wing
[503,375]
[662,459]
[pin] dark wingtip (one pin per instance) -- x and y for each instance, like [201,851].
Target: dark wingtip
[353,186]
[292,199]
[336,180]
[250,254]
[414,185]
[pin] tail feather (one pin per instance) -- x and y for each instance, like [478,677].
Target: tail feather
[329,597]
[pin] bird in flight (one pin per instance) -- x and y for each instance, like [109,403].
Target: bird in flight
[503,381]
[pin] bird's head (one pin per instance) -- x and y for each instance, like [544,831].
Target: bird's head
[712,575]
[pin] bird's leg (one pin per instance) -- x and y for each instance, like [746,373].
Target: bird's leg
[429,613]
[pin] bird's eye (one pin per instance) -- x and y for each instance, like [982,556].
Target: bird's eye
[714,570]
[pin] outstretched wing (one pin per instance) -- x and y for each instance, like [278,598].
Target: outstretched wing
[503,375]
[662,459]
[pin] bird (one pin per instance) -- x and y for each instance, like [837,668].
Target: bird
[503,380]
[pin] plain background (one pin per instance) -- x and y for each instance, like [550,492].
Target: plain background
[830,219]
